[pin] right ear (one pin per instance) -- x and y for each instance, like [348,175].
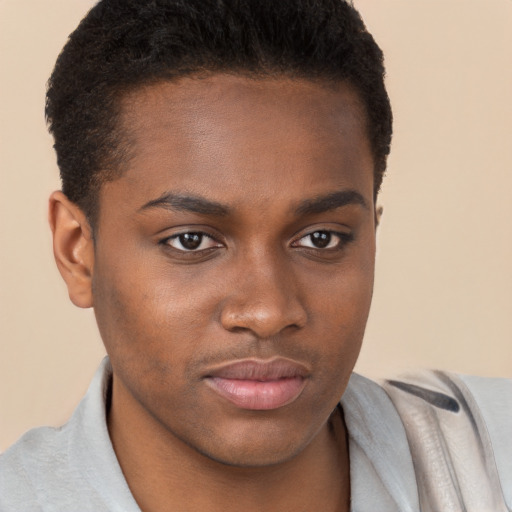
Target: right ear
[73,247]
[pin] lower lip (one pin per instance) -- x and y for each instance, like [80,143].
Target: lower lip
[258,395]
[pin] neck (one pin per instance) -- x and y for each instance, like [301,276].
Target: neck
[163,472]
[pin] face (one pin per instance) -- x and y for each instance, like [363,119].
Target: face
[233,263]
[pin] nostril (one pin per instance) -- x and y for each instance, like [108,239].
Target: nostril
[263,319]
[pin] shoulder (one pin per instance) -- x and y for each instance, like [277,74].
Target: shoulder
[458,429]
[27,468]
[435,440]
[73,467]
[382,472]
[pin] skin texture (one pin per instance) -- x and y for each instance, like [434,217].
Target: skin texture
[257,287]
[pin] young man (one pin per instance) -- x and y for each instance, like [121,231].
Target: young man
[220,163]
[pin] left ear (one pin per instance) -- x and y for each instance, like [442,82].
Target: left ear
[378,215]
[73,247]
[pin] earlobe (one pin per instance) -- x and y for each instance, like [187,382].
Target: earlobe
[73,248]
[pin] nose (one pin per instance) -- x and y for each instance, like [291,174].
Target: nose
[265,299]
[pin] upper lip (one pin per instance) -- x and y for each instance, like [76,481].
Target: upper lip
[257,369]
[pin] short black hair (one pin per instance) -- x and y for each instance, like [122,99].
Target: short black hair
[123,44]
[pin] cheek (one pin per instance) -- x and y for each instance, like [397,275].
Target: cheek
[342,294]
[146,298]
[148,337]
[130,306]
[153,323]
[339,315]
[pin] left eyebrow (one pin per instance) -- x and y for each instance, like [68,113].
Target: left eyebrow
[188,203]
[329,202]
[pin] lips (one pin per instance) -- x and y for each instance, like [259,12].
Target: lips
[259,385]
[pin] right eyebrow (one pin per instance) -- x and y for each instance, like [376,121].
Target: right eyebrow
[187,203]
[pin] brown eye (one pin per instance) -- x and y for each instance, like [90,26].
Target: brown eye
[321,239]
[324,239]
[188,242]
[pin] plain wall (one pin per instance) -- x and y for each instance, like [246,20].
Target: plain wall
[443,292]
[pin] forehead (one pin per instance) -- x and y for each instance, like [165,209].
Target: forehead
[228,95]
[231,136]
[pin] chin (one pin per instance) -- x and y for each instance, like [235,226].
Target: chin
[251,458]
[250,448]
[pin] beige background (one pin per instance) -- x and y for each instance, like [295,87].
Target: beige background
[444,275]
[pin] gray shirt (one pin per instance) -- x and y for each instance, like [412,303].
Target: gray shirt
[393,468]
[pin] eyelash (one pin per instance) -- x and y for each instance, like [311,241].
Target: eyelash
[343,239]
